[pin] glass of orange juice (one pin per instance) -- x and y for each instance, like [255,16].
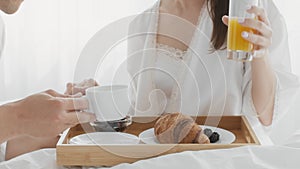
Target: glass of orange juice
[238,48]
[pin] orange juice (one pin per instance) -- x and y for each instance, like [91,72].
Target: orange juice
[235,41]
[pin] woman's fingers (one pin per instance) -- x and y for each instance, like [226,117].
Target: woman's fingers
[72,89]
[262,36]
[75,88]
[69,88]
[260,26]
[225,20]
[257,39]
[260,13]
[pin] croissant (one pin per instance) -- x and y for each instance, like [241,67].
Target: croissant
[172,128]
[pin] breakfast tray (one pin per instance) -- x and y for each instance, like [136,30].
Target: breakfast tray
[110,155]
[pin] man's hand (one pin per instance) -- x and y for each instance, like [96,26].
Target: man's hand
[49,113]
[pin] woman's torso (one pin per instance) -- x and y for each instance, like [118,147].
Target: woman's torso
[210,85]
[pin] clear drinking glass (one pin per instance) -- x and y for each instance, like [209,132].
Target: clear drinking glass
[237,47]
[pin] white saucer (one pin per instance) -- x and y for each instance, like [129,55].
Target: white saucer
[226,137]
[105,138]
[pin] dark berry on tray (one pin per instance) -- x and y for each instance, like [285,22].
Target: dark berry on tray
[214,137]
[208,132]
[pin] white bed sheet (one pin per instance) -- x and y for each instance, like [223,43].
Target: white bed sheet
[267,157]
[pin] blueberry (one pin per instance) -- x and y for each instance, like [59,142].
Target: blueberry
[214,137]
[208,132]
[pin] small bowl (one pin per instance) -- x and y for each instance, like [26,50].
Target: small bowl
[107,138]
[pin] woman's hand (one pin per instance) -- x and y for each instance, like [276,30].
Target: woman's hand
[261,38]
[79,88]
[263,76]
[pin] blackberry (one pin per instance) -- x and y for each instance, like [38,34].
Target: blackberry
[208,132]
[214,137]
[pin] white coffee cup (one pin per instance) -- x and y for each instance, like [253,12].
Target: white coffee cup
[109,103]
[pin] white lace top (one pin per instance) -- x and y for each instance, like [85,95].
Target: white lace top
[169,68]
[168,62]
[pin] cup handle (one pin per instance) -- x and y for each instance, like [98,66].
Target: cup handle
[89,110]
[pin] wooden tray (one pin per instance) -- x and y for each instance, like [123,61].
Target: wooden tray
[110,155]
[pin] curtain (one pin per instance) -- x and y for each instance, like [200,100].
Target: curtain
[289,10]
[290,123]
[45,37]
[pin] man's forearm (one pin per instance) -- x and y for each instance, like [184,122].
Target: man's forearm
[8,123]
